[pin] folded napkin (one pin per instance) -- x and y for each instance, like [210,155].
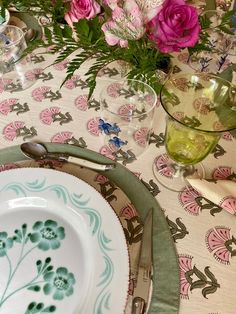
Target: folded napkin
[220,192]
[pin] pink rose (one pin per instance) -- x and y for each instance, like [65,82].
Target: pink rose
[82,9]
[175,26]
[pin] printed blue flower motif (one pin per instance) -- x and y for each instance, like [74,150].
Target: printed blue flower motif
[60,283]
[47,234]
[5,243]
[117,142]
[107,128]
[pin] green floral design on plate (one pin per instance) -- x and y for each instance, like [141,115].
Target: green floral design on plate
[5,243]
[47,235]
[60,283]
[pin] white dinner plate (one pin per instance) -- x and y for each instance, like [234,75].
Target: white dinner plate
[62,247]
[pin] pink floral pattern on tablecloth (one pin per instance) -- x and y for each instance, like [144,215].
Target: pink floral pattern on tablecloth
[71,83]
[46,116]
[93,126]
[61,65]
[229,204]
[106,151]
[140,136]
[218,241]
[81,102]
[222,173]
[161,165]
[61,137]
[38,94]
[10,130]
[5,105]
[114,89]
[188,199]
[185,265]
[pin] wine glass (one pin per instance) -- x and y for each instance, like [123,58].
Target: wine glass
[199,108]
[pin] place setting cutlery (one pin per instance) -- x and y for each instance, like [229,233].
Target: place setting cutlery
[38,151]
[143,288]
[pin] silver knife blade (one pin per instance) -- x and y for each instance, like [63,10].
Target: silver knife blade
[145,268]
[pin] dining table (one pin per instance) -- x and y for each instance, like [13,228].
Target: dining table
[200,234]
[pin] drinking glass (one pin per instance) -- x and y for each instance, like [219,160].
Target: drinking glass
[199,108]
[127,111]
[16,70]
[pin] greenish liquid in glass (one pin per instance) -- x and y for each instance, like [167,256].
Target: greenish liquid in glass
[187,146]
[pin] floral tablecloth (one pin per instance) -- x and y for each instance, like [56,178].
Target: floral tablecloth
[204,233]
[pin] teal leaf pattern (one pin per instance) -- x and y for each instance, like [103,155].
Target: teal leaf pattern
[48,235]
[34,308]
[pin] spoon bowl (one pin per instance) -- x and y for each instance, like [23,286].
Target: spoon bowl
[34,150]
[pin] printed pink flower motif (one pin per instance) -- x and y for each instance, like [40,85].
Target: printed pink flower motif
[141,136]
[216,241]
[229,204]
[39,93]
[46,116]
[175,27]
[61,137]
[128,211]
[61,65]
[10,130]
[71,83]
[113,90]
[101,179]
[106,151]
[202,105]
[137,174]
[187,199]
[126,111]
[185,265]
[82,9]
[30,75]
[92,126]
[81,102]
[126,23]
[178,115]
[181,83]
[183,57]
[222,173]
[5,105]
[160,163]
[218,126]
[8,166]
[227,136]
[3,83]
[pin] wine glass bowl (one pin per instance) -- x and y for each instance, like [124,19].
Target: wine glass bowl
[199,108]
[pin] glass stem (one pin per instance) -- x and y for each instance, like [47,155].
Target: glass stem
[182,170]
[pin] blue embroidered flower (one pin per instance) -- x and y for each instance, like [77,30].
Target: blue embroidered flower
[107,128]
[60,283]
[47,234]
[5,243]
[117,142]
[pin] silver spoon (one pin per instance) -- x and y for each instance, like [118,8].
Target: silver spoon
[38,151]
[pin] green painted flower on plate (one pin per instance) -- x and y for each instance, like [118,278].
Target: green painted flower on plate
[47,234]
[60,283]
[5,243]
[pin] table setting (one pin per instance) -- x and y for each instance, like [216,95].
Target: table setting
[117,143]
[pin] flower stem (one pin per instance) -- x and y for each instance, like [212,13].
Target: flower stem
[9,277]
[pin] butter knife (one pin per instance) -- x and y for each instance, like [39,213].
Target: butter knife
[145,269]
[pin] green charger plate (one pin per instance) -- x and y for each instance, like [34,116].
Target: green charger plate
[166,285]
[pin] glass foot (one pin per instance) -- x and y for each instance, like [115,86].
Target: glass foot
[173,176]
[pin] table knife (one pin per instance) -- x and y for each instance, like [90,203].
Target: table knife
[145,269]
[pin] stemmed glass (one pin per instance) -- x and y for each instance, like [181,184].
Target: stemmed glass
[199,108]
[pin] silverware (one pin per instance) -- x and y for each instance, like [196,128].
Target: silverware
[38,151]
[145,268]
